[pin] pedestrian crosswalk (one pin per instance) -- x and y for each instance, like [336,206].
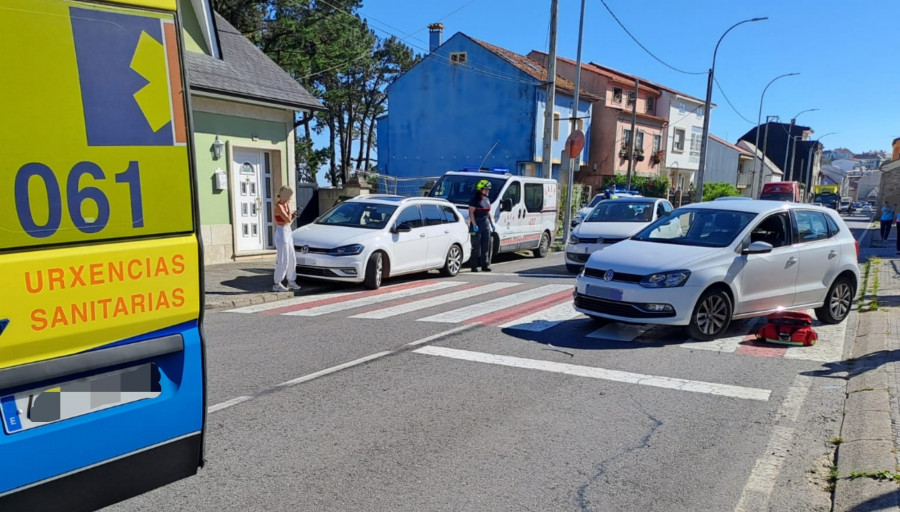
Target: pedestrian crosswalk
[521,306]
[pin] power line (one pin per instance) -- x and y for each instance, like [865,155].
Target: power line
[729,102]
[664,63]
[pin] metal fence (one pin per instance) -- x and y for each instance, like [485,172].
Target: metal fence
[384,184]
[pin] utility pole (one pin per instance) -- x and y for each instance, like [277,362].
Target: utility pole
[787,151]
[793,156]
[633,136]
[547,151]
[573,159]
[762,167]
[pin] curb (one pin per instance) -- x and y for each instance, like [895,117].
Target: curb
[245,300]
[868,442]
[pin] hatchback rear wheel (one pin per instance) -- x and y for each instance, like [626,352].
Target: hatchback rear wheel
[837,302]
[711,316]
[453,262]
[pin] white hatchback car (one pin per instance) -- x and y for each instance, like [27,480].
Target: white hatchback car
[609,222]
[371,237]
[708,263]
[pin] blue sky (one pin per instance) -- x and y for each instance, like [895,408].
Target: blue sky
[842,51]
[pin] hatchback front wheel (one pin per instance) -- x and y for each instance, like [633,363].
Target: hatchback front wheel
[711,316]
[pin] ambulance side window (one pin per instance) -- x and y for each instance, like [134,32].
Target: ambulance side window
[534,197]
[513,193]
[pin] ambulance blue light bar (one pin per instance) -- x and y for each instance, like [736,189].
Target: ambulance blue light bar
[495,170]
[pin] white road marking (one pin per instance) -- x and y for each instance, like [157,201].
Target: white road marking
[758,490]
[373,299]
[333,369]
[829,347]
[728,343]
[543,319]
[356,362]
[295,301]
[483,308]
[602,373]
[434,301]
[620,332]
[441,335]
[226,404]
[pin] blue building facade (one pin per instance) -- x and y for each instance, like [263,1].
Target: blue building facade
[472,104]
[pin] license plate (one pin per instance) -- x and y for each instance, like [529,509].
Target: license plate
[306,260]
[49,404]
[604,292]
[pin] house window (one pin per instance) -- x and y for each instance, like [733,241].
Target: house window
[681,108]
[639,143]
[657,142]
[626,137]
[617,95]
[649,105]
[696,138]
[699,112]
[630,97]
[458,57]
[679,140]
[556,126]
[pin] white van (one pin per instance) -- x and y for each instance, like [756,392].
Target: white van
[524,209]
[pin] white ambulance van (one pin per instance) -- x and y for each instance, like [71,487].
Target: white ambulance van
[524,209]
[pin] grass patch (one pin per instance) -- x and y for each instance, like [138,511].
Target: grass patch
[878,475]
[837,440]
[832,478]
[865,284]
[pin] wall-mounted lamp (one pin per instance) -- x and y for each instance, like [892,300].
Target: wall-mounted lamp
[217,147]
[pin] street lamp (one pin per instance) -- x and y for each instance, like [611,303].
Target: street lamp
[809,160]
[787,150]
[709,84]
[759,164]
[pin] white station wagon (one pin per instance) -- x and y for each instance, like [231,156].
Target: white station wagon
[609,222]
[372,237]
[705,264]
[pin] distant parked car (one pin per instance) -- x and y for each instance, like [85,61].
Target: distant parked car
[609,222]
[708,263]
[369,238]
[586,209]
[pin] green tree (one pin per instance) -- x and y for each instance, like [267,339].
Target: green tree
[717,189]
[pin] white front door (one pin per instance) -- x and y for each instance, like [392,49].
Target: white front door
[249,217]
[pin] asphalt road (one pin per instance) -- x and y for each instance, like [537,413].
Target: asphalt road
[451,400]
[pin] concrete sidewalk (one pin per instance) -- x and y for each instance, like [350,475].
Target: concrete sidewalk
[867,458]
[242,283]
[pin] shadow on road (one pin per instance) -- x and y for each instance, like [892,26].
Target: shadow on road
[854,367]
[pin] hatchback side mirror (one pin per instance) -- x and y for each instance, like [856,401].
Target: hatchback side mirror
[402,228]
[757,248]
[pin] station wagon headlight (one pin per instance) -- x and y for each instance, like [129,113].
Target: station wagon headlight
[671,279]
[346,250]
[574,239]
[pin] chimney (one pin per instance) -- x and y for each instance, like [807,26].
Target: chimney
[436,33]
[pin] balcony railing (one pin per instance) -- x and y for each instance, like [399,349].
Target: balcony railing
[744,179]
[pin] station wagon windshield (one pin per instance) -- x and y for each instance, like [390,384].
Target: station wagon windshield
[358,215]
[459,189]
[705,228]
[638,211]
